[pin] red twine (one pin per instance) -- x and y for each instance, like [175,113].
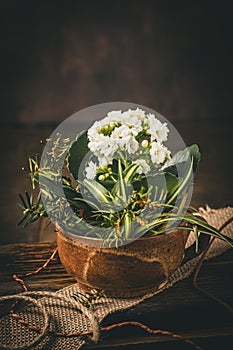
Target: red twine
[19,277]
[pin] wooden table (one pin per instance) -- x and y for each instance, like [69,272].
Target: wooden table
[181,309]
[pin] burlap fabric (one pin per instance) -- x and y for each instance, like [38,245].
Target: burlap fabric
[60,313]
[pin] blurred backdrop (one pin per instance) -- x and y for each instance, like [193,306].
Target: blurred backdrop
[58,57]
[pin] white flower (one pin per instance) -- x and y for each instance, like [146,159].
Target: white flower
[131,145]
[138,113]
[143,166]
[109,147]
[97,142]
[91,170]
[131,120]
[113,116]
[124,137]
[104,148]
[104,161]
[93,132]
[121,131]
[158,130]
[159,153]
[135,130]
[127,129]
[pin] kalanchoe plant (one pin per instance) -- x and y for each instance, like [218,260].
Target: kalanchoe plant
[118,177]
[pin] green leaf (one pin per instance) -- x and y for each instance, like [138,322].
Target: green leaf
[51,187]
[23,201]
[130,172]
[86,203]
[161,183]
[23,219]
[127,224]
[183,156]
[121,193]
[100,193]
[34,217]
[124,179]
[21,206]
[38,201]
[29,199]
[77,152]
[172,182]
[184,184]
[202,226]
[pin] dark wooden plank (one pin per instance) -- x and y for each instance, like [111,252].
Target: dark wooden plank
[151,341]
[23,258]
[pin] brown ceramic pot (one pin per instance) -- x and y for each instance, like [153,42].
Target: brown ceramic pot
[127,271]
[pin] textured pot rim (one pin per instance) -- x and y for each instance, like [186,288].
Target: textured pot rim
[98,241]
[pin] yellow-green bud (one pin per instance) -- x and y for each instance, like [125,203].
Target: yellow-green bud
[144,143]
[101,177]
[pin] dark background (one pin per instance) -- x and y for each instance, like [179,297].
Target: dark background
[58,57]
[61,56]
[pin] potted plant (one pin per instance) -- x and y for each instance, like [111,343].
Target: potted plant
[119,199]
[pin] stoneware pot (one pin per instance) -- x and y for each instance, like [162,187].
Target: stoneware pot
[131,270]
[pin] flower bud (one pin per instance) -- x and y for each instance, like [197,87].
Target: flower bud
[101,177]
[145,143]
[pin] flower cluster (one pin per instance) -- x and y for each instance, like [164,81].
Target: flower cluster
[141,135]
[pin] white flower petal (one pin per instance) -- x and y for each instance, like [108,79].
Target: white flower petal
[131,145]
[143,168]
[91,170]
[113,116]
[159,153]
[159,131]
